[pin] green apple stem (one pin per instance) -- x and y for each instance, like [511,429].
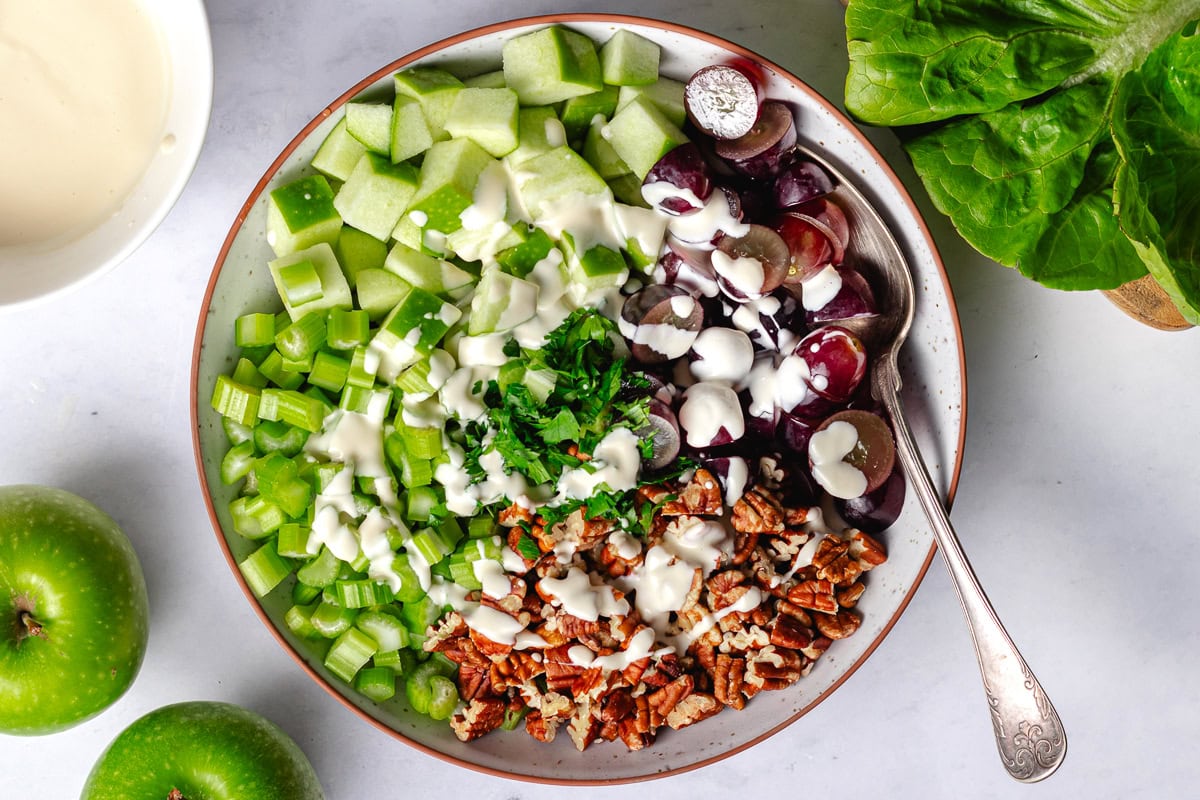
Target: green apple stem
[176,795]
[29,626]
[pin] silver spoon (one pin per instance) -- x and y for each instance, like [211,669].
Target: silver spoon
[1029,734]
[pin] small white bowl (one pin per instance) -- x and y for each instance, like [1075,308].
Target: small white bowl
[33,272]
[932,364]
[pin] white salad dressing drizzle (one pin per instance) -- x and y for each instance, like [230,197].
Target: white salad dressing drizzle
[826,449]
[707,408]
[699,228]
[575,594]
[724,355]
[615,464]
[744,274]
[819,289]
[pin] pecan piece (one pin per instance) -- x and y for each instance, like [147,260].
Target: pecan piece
[848,596]
[774,668]
[701,497]
[664,700]
[834,562]
[867,551]
[729,679]
[816,595]
[539,727]
[756,511]
[693,708]
[787,631]
[514,515]
[839,625]
[481,715]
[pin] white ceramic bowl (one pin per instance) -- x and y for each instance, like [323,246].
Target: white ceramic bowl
[35,272]
[933,366]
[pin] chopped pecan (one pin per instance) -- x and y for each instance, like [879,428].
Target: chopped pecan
[818,646]
[518,669]
[729,678]
[473,681]
[513,539]
[481,715]
[637,729]
[514,515]
[756,511]
[693,708]
[664,700]
[700,497]
[583,726]
[834,562]
[495,651]
[774,668]
[539,727]
[816,595]
[868,552]
[787,631]
[839,625]
[743,639]
[848,596]
[796,517]
[794,611]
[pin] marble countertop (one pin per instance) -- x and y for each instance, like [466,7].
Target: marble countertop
[1075,501]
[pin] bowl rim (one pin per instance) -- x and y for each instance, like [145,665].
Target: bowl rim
[201,74]
[430,49]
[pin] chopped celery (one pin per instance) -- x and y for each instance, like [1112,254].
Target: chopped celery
[362,593]
[293,407]
[401,662]
[272,436]
[303,594]
[332,620]
[254,330]
[482,526]
[272,367]
[264,569]
[513,715]
[443,697]
[421,501]
[329,371]
[418,615]
[246,373]
[303,338]
[387,630]
[349,653]
[236,462]
[301,365]
[321,571]
[254,517]
[236,432]
[410,583]
[430,545]
[235,400]
[292,541]
[422,442]
[347,329]
[279,482]
[299,620]
[463,573]
[377,683]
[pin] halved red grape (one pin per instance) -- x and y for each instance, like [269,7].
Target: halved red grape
[831,220]
[720,216]
[773,322]
[711,415]
[688,268]
[874,450]
[836,362]
[763,151]
[721,354]
[722,101]
[795,431]
[800,182]
[844,296]
[752,265]
[664,427]
[680,182]
[877,510]
[732,471]
[660,322]
[809,245]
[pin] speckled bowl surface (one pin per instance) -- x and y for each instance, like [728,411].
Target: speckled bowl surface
[934,393]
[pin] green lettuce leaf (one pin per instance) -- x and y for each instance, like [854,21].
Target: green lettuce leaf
[1016,103]
[1157,188]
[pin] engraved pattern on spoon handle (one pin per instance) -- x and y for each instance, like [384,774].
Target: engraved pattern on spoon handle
[1029,733]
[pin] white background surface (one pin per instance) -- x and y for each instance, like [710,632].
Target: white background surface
[1076,502]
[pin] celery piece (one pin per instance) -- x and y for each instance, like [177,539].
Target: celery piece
[401,662]
[247,374]
[329,371]
[362,372]
[298,619]
[482,526]
[302,338]
[422,442]
[271,436]
[303,594]
[300,365]
[349,653]
[417,688]
[321,571]
[272,367]
[443,697]
[451,532]
[418,615]
[410,583]
[540,383]
[421,500]
[362,593]
[294,408]
[236,432]
[264,569]
[324,473]
[463,573]
[430,544]
[332,620]
[385,629]
[299,283]
[335,291]
[254,517]
[415,472]
[236,462]
[254,330]
[513,715]
[292,541]
[235,400]
[358,399]
[376,683]
[347,329]
[279,482]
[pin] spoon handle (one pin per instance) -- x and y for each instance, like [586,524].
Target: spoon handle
[1029,734]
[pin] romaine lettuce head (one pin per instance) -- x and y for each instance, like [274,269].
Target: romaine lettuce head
[1036,119]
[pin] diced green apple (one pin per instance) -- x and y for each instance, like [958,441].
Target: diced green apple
[486,116]
[378,292]
[641,134]
[410,134]
[410,331]
[539,130]
[435,89]
[551,65]
[376,194]
[447,183]
[357,251]
[554,175]
[301,214]
[578,113]
[500,303]
[339,153]
[371,124]
[628,59]
[435,275]
[665,93]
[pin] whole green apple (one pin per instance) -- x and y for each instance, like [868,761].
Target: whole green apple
[73,611]
[202,750]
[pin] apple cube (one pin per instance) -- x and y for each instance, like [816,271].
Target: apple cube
[301,214]
[410,331]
